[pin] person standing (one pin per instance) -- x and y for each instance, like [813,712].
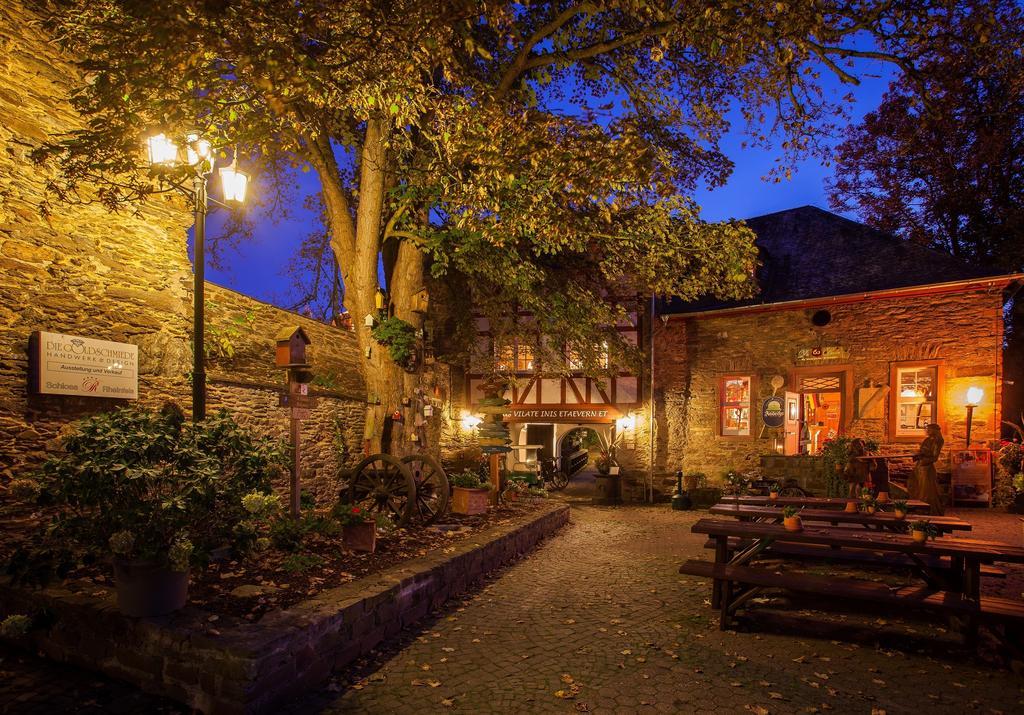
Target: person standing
[924,483]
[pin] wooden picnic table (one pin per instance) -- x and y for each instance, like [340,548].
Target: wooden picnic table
[879,520]
[967,554]
[913,505]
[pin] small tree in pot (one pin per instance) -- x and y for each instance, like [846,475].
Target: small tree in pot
[153,493]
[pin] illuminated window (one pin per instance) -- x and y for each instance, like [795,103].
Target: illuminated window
[574,361]
[915,399]
[524,358]
[734,406]
[504,356]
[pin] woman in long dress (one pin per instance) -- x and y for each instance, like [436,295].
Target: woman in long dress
[924,483]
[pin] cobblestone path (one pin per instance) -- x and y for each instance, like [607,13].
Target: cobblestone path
[598,620]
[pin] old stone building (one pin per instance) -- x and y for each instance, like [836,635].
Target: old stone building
[855,332]
[81,271]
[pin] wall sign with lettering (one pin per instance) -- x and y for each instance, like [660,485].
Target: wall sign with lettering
[70,365]
[773,412]
[821,353]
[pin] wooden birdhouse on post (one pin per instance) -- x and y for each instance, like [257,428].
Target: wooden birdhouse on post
[291,346]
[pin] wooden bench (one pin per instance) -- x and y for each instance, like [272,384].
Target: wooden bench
[854,556]
[913,505]
[879,520]
[987,608]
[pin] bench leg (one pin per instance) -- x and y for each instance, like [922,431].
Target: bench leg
[721,557]
[723,618]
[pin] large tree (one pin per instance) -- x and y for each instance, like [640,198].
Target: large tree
[941,161]
[532,156]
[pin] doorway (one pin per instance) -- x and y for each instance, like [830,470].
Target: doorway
[820,404]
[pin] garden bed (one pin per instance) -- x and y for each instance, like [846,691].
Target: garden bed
[226,663]
[266,581]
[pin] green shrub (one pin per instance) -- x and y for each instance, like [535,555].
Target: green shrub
[399,337]
[300,563]
[15,626]
[287,533]
[469,480]
[147,485]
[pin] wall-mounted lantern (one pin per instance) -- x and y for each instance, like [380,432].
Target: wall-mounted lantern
[974,397]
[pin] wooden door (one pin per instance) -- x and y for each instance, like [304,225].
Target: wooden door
[791,427]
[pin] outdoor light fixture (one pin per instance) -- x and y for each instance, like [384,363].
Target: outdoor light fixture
[469,422]
[164,153]
[974,395]
[626,423]
[233,182]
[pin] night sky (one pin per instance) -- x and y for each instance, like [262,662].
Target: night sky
[256,267]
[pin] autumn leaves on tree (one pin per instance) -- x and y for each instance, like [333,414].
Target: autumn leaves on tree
[534,157]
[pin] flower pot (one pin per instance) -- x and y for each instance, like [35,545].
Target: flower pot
[851,507]
[511,495]
[900,514]
[883,497]
[613,470]
[870,509]
[469,501]
[146,589]
[919,537]
[792,523]
[773,495]
[360,537]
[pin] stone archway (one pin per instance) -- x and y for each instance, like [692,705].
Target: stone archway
[578,446]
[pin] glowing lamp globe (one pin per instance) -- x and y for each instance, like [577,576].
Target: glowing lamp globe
[198,149]
[470,422]
[974,396]
[162,151]
[234,183]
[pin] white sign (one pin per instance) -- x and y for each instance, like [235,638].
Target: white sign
[69,365]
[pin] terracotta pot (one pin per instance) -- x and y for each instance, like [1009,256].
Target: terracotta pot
[511,495]
[469,501]
[146,589]
[851,506]
[900,514]
[792,523]
[919,536]
[773,495]
[871,509]
[613,470]
[360,537]
[883,497]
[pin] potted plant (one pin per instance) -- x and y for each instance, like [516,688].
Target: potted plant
[358,527]
[693,481]
[882,497]
[469,493]
[851,506]
[514,489]
[152,493]
[870,506]
[791,519]
[773,491]
[899,509]
[922,530]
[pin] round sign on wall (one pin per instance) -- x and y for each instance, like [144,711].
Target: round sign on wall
[773,412]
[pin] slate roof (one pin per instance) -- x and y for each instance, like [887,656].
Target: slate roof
[808,252]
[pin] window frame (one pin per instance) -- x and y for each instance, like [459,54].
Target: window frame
[893,402]
[721,405]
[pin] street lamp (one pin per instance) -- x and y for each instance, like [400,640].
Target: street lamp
[974,395]
[164,153]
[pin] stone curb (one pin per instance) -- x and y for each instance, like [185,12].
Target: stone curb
[256,667]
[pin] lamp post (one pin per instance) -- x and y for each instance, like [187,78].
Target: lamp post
[164,153]
[974,395]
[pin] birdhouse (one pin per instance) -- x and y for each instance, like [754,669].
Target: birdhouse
[420,301]
[291,346]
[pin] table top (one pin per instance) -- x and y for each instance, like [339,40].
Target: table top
[823,502]
[977,550]
[950,523]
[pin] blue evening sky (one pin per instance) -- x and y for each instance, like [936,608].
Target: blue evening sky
[256,267]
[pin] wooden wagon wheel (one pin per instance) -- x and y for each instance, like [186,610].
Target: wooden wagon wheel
[381,484]
[432,489]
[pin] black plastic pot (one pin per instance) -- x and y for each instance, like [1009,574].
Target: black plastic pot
[146,589]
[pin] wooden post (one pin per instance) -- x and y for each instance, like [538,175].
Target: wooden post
[296,495]
[495,477]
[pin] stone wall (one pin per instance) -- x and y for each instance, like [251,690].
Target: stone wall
[127,277]
[962,330]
